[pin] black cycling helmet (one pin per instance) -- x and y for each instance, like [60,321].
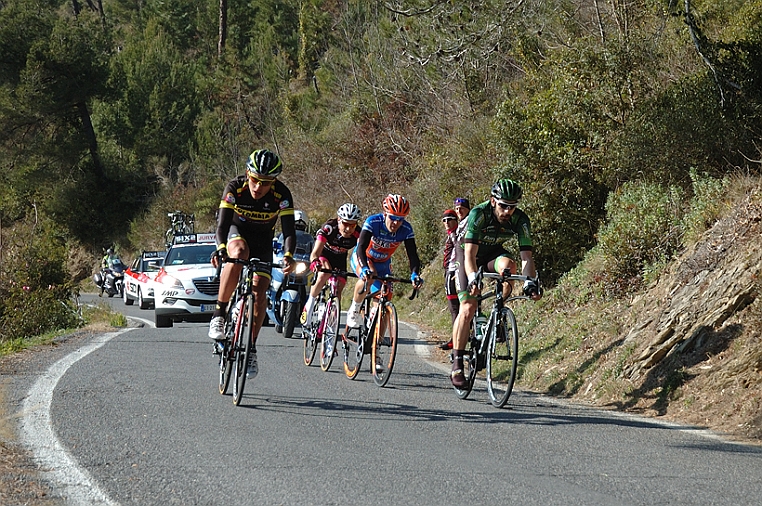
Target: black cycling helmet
[506,189]
[264,163]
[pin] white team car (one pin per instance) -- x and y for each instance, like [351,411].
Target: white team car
[185,288]
[138,278]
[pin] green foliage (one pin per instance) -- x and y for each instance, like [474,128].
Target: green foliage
[35,286]
[705,205]
[643,226]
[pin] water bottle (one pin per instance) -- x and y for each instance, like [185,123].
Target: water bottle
[480,325]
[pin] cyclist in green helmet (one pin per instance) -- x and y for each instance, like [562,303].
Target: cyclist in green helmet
[479,243]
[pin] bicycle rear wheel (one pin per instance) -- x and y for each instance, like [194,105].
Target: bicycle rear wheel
[330,325]
[469,365]
[502,358]
[243,346]
[384,343]
[310,335]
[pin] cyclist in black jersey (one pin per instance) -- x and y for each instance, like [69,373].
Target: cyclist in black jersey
[250,207]
[332,243]
[479,243]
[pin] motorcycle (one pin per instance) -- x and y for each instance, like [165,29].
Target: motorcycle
[287,294]
[111,280]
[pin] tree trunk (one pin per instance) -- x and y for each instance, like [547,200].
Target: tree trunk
[89,131]
[223,35]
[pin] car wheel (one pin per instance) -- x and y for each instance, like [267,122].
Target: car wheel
[127,300]
[163,321]
[142,303]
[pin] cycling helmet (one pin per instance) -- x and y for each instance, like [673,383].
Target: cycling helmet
[396,205]
[349,212]
[300,220]
[506,189]
[110,251]
[264,163]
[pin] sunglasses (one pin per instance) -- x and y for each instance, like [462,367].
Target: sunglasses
[348,223]
[506,205]
[261,182]
[396,218]
[447,219]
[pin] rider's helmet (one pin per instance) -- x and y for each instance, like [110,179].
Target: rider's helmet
[110,251]
[396,205]
[300,220]
[349,212]
[264,163]
[507,189]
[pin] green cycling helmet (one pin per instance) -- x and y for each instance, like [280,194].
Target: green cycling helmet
[507,189]
[264,163]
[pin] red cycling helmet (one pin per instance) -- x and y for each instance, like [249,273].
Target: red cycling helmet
[396,205]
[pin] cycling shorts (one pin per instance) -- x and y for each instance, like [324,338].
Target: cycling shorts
[258,248]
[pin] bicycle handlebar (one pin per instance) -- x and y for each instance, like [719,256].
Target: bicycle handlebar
[391,279]
[252,262]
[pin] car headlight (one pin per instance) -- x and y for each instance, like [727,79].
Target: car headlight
[170,281]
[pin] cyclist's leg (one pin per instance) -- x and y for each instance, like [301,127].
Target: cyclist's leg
[320,281]
[501,263]
[237,248]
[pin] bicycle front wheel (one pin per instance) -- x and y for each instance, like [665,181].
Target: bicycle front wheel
[502,358]
[244,330]
[330,326]
[353,342]
[384,343]
[227,353]
[470,355]
[311,335]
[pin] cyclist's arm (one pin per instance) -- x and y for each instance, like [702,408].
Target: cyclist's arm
[412,255]
[527,264]
[289,233]
[470,250]
[317,250]
[224,220]
[362,246]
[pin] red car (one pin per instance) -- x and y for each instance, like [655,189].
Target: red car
[138,278]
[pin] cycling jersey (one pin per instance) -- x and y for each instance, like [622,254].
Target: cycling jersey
[383,243]
[484,229]
[250,215]
[335,242]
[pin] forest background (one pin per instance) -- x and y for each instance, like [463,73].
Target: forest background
[627,122]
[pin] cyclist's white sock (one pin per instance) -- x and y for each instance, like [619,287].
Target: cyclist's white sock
[354,307]
[308,308]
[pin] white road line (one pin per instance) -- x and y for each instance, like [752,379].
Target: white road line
[37,433]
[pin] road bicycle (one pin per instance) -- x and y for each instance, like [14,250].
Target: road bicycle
[494,344]
[234,351]
[181,224]
[324,324]
[377,334]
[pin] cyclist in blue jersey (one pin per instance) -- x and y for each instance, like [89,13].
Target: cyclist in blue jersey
[380,237]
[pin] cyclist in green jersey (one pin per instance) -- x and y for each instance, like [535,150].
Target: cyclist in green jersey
[479,243]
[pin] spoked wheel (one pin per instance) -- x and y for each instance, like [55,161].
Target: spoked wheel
[384,344]
[469,365]
[243,347]
[227,353]
[502,358]
[354,350]
[311,335]
[330,325]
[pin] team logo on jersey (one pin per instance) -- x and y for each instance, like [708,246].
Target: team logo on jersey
[230,198]
[284,204]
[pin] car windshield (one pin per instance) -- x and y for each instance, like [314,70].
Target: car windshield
[196,254]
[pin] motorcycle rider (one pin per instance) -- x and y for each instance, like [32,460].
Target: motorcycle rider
[107,262]
[251,205]
[333,241]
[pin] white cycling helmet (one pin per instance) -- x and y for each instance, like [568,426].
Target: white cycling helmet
[349,212]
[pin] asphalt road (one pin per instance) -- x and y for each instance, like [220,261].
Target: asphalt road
[142,422]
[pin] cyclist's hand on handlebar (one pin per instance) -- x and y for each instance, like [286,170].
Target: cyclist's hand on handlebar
[532,290]
[416,280]
[219,255]
[288,263]
[315,265]
[365,273]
